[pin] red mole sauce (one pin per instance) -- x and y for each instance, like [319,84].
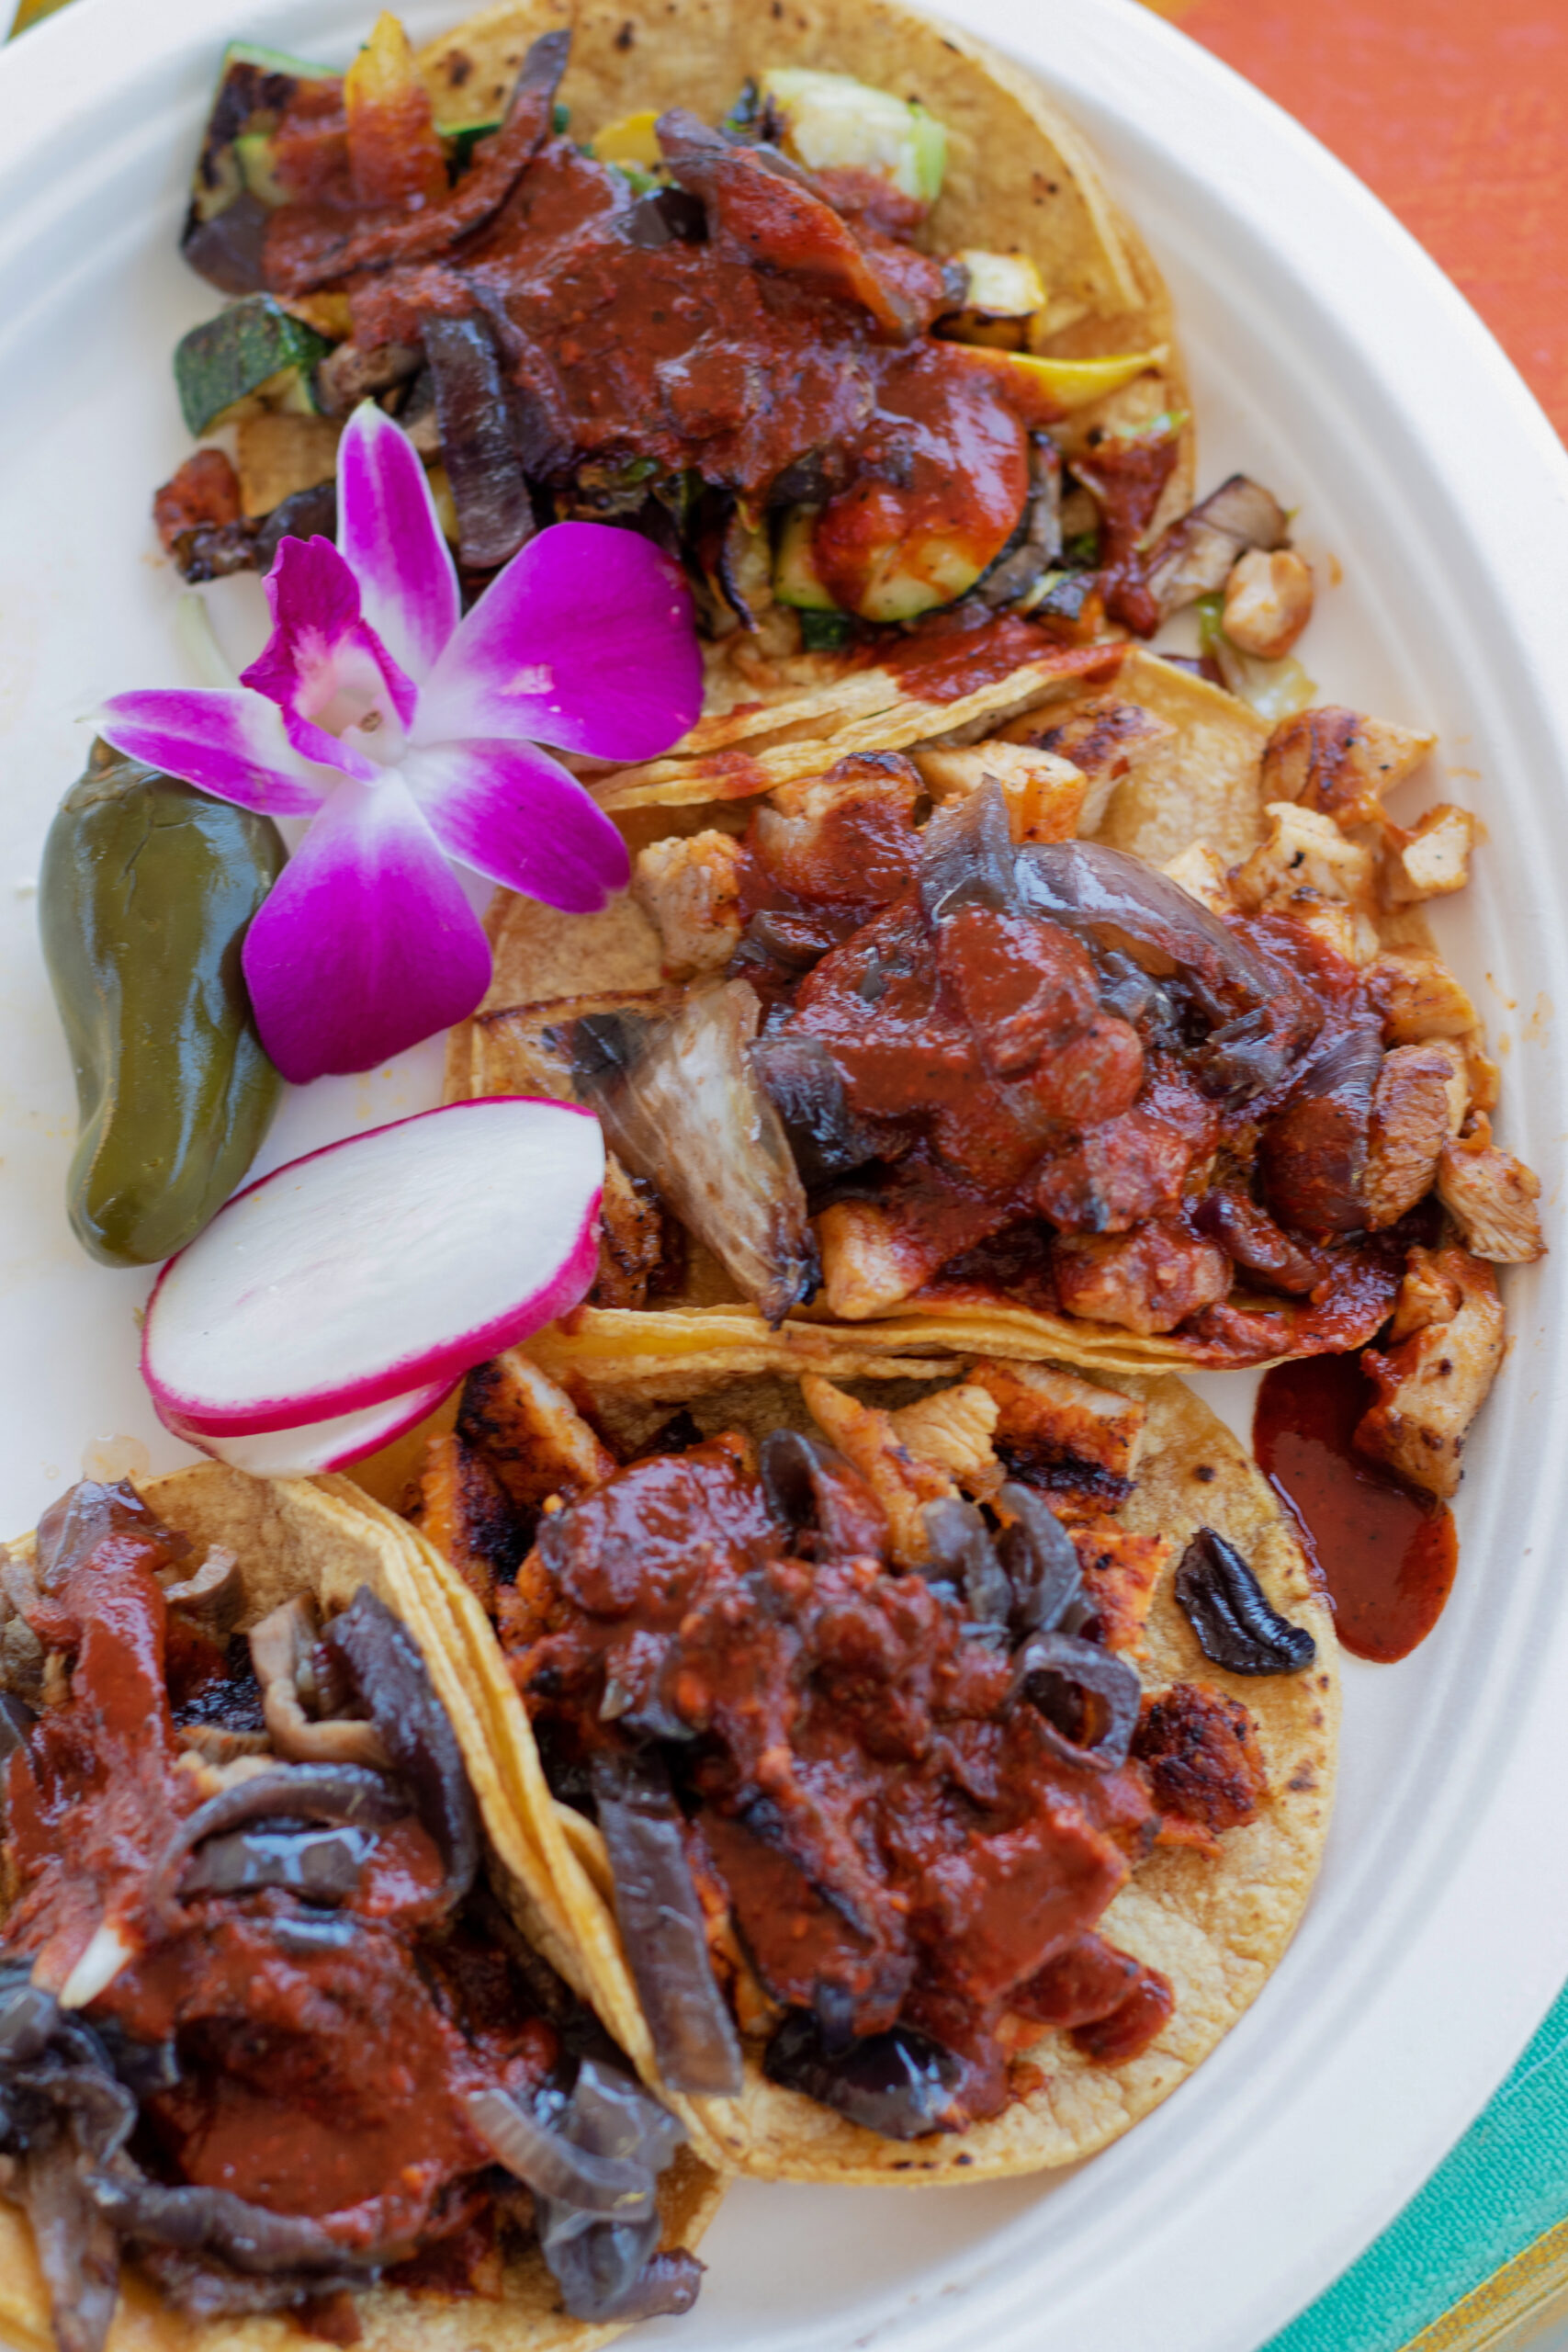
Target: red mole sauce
[893,1840]
[1029,1138]
[1386,1552]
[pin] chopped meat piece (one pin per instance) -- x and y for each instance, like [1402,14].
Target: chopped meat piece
[1429,1295]
[847,836]
[466,1514]
[353,372]
[1130,1168]
[1418,997]
[873,1257]
[902,1482]
[1044,795]
[1105,740]
[1305,851]
[1149,1280]
[1339,763]
[530,1432]
[1269,599]
[1201,1750]
[1119,1573]
[1197,553]
[1049,1416]
[951,1429]
[633,1240]
[205,489]
[1433,860]
[1417,1105]
[691,890]
[1087,1981]
[1251,1239]
[1431,1385]
[1203,877]
[1491,1197]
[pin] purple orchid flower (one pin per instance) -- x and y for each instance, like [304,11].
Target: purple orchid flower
[409,735]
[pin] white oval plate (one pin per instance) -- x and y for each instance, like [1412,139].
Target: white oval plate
[1332,360]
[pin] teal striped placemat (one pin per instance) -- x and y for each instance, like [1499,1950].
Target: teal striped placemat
[1500,2192]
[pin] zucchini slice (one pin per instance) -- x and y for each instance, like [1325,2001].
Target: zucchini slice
[794,574]
[835,123]
[252,356]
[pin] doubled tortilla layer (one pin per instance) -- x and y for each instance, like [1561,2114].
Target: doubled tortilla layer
[326,1538]
[1216,1927]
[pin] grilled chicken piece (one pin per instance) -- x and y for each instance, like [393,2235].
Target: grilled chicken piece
[902,1483]
[1149,1280]
[1304,852]
[632,1238]
[1491,1197]
[530,1432]
[1433,860]
[464,1510]
[1418,997]
[1431,1384]
[1119,1573]
[689,889]
[953,1431]
[1203,877]
[1105,740]
[1197,554]
[1268,600]
[847,836]
[1050,1420]
[1419,1103]
[1340,763]
[1044,795]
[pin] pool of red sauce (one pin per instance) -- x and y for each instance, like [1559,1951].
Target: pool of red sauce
[1385,1554]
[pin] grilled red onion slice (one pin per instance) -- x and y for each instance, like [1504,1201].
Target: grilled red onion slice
[248,2237]
[610,2269]
[607,2187]
[899,2084]
[1105,1677]
[318,1865]
[812,1492]
[383,1667]
[494,512]
[345,1792]
[661,1926]
[73,1527]
[962,1553]
[1041,1561]
[1314,1154]
[967,858]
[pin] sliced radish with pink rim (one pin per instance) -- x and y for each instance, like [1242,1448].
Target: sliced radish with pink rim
[391,1263]
[319,1445]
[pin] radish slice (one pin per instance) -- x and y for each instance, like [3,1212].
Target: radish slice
[319,1445]
[390,1263]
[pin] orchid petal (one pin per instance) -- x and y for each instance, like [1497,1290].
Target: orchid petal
[365,943]
[325,662]
[227,741]
[585,641]
[391,540]
[514,814]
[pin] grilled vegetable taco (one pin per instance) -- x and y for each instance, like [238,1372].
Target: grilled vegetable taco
[1112,1031]
[831,304]
[932,1769]
[268,2042]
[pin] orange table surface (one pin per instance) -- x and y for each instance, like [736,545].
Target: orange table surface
[1456,113]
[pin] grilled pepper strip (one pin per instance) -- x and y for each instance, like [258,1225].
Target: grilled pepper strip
[146,892]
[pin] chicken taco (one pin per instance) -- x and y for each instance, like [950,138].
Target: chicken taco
[831,304]
[933,1771]
[1113,1032]
[269,2043]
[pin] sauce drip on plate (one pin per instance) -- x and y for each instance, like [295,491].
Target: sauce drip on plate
[1386,1553]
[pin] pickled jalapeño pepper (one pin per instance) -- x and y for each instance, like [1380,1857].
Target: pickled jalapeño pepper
[145,895]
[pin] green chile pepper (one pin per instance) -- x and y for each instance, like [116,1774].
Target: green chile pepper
[144,898]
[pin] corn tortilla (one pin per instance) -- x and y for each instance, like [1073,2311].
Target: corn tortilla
[326,1538]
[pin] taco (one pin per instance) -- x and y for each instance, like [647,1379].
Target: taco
[1114,1033]
[269,2040]
[832,305]
[935,1770]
